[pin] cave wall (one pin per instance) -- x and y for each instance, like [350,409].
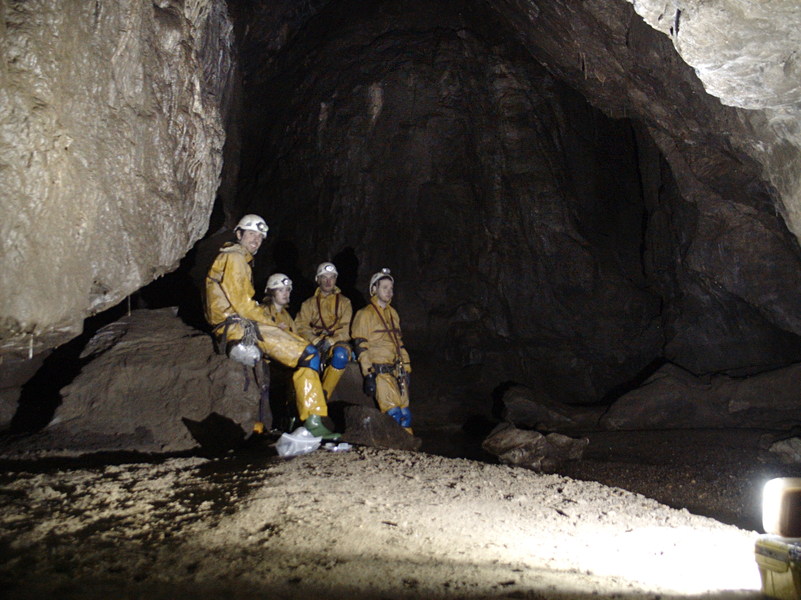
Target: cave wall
[746,54]
[428,145]
[736,262]
[569,208]
[111,151]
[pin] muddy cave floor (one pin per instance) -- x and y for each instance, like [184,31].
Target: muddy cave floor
[648,514]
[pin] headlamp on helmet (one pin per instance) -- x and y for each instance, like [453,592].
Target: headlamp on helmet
[278,280]
[253,223]
[326,268]
[382,274]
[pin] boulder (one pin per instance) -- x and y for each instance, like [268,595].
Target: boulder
[788,451]
[155,385]
[675,398]
[534,409]
[533,450]
[370,427]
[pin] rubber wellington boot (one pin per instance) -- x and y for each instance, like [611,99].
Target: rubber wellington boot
[315,426]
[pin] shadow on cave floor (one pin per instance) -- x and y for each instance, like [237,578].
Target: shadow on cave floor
[451,407]
[717,473]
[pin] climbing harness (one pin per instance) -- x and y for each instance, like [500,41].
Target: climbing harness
[397,369]
[245,351]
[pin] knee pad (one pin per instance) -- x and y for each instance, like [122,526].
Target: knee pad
[310,358]
[406,417]
[396,414]
[340,357]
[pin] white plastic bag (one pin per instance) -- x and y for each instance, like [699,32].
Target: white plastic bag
[300,441]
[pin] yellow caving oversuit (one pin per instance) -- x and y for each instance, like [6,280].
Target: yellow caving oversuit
[379,349]
[229,293]
[280,318]
[326,319]
[280,376]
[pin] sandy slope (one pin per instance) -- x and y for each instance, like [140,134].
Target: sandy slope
[366,523]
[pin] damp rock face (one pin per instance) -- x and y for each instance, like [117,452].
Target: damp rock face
[111,153]
[155,385]
[674,398]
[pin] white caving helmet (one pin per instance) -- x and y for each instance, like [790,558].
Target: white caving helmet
[326,268]
[278,280]
[378,276]
[253,223]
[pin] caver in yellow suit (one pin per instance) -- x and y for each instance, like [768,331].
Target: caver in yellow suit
[280,318]
[281,399]
[324,320]
[382,357]
[229,300]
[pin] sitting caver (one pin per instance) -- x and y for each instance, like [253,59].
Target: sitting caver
[277,295]
[324,320]
[379,349]
[276,301]
[247,331]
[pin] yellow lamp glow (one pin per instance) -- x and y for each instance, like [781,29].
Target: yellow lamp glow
[781,507]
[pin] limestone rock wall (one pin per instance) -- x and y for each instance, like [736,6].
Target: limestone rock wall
[747,55]
[110,152]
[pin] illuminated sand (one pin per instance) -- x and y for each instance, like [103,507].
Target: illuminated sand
[361,524]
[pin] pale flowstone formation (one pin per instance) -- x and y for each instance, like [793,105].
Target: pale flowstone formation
[746,54]
[110,152]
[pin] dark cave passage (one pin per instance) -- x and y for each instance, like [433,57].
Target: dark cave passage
[530,233]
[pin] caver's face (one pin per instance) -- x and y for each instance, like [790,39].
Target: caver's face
[384,291]
[281,296]
[327,283]
[250,240]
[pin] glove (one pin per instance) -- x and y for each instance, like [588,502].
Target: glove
[322,347]
[369,384]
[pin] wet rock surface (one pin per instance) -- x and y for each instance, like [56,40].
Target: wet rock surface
[112,119]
